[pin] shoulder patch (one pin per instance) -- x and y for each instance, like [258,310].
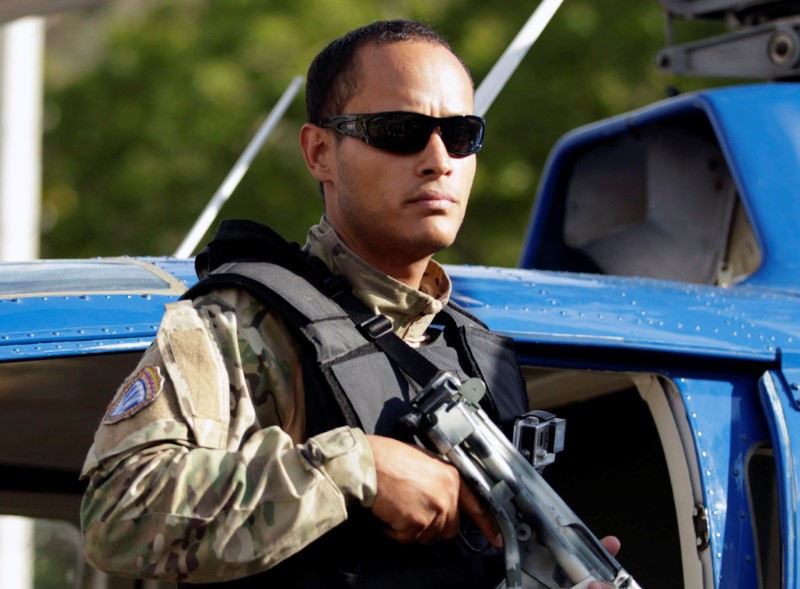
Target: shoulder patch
[135,394]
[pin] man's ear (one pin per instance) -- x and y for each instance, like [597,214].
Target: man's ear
[317,146]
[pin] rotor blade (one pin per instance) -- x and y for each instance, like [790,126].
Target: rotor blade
[237,172]
[496,79]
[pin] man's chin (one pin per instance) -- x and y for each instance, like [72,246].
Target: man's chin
[439,231]
[431,244]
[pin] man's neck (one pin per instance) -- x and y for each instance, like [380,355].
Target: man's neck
[409,274]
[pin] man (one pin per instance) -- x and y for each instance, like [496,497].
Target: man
[229,454]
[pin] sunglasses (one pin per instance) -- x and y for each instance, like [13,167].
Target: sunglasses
[408,132]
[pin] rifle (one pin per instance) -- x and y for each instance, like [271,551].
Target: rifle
[546,545]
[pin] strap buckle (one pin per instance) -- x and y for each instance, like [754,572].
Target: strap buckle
[376,326]
[335,285]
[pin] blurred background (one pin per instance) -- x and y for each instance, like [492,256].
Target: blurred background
[149,103]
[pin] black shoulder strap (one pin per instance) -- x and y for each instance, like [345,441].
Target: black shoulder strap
[378,328]
[375,328]
[225,261]
[238,240]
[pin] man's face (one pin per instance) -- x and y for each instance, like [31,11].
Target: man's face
[391,209]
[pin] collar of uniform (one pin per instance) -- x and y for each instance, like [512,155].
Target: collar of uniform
[410,311]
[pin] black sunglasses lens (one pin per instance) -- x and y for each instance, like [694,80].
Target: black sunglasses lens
[410,132]
[462,135]
[403,133]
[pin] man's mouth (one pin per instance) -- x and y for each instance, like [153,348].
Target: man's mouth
[434,200]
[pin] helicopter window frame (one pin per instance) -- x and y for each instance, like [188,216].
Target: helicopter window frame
[86,277]
[555,389]
[654,200]
[762,496]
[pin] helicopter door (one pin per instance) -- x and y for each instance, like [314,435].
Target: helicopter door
[783,419]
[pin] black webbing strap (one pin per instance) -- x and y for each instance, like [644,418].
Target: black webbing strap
[241,241]
[376,328]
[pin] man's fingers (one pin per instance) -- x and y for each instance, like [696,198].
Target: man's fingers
[433,532]
[417,494]
[472,506]
[611,543]
[420,496]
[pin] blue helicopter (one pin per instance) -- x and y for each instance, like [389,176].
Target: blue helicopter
[655,307]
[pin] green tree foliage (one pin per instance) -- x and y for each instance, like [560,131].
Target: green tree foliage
[139,139]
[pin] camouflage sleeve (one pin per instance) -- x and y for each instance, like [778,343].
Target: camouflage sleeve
[184,478]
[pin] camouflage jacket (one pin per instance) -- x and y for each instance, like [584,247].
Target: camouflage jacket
[199,470]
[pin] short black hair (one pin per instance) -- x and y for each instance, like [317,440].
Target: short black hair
[332,78]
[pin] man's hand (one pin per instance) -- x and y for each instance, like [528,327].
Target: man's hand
[611,544]
[419,496]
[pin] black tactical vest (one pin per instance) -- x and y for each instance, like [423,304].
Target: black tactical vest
[349,380]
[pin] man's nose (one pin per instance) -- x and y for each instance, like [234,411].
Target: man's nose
[435,159]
